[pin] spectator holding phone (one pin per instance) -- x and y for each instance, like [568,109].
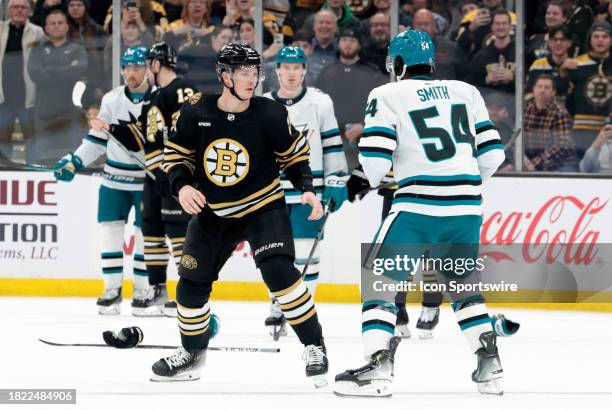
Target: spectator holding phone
[598,158]
[193,25]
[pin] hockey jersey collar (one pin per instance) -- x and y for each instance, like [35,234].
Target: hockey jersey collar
[289,101]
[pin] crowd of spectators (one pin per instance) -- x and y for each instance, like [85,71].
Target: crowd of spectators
[46,46]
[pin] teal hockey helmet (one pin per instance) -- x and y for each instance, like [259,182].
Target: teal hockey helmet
[134,56]
[415,47]
[291,54]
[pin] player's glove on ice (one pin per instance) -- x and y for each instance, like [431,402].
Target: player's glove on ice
[127,337]
[335,188]
[66,167]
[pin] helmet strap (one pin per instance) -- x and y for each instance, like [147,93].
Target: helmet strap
[403,73]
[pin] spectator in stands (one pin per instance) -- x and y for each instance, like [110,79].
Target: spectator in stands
[348,82]
[589,78]
[440,22]
[493,66]
[43,7]
[380,35]
[196,62]
[580,19]
[131,36]
[451,62]
[605,13]
[476,27]
[237,10]
[598,158]
[247,32]
[502,115]
[342,13]
[193,25]
[17,91]
[547,131]
[149,15]
[55,66]
[465,8]
[86,32]
[174,9]
[559,42]
[304,9]
[384,7]
[537,46]
[324,45]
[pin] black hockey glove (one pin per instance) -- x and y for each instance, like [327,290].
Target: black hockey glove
[128,337]
[357,184]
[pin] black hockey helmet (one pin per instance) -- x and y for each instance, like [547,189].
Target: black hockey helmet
[164,53]
[232,56]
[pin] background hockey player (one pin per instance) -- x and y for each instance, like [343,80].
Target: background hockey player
[312,113]
[233,147]
[438,137]
[121,188]
[163,219]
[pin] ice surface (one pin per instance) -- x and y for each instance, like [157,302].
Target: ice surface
[558,360]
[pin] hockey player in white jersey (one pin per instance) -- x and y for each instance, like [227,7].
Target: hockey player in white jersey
[121,187]
[312,112]
[438,137]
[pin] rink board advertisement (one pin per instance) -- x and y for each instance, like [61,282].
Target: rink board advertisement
[49,230]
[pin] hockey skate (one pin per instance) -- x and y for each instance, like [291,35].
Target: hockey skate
[155,303]
[317,364]
[401,326]
[183,365]
[139,300]
[372,380]
[489,373]
[276,322]
[427,322]
[110,302]
[170,309]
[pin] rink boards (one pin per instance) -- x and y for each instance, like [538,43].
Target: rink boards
[49,235]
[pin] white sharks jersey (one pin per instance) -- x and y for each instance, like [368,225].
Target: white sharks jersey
[116,108]
[438,137]
[312,113]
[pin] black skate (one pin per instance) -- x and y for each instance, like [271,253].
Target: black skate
[489,373]
[139,300]
[372,380]
[401,326]
[154,304]
[427,322]
[110,302]
[317,364]
[276,322]
[183,365]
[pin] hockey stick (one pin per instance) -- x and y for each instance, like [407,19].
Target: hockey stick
[515,135]
[217,348]
[330,206]
[77,97]
[14,166]
[363,192]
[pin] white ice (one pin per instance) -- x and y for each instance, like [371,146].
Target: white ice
[558,360]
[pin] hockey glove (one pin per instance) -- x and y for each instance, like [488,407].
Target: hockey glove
[66,167]
[357,184]
[504,327]
[335,188]
[128,337]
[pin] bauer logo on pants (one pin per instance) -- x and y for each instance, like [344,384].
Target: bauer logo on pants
[226,162]
[189,262]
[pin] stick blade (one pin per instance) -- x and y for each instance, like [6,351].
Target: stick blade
[77,94]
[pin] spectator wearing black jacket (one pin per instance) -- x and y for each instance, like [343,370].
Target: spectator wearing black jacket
[55,66]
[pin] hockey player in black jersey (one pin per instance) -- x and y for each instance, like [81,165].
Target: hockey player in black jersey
[233,147]
[162,215]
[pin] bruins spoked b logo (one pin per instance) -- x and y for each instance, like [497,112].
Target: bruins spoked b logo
[226,162]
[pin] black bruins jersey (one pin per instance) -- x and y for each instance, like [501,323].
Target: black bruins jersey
[235,158]
[158,113]
[160,108]
[591,92]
